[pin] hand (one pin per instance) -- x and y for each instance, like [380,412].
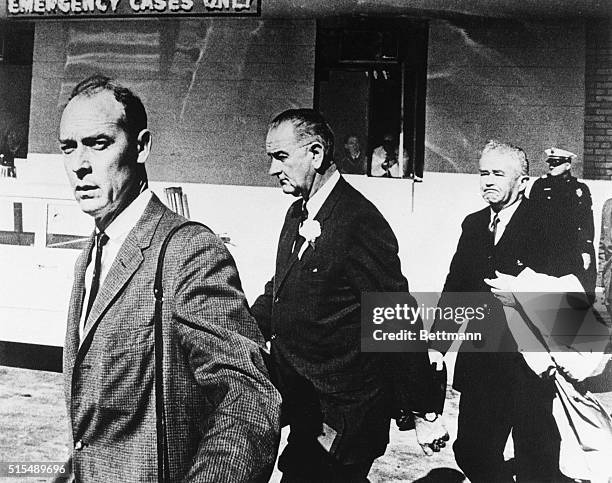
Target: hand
[586,260]
[431,435]
[501,288]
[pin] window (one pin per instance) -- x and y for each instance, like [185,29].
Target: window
[370,85]
[16,48]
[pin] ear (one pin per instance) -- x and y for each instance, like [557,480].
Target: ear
[143,145]
[318,153]
[523,180]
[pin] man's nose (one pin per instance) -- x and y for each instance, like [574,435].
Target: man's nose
[275,167]
[79,162]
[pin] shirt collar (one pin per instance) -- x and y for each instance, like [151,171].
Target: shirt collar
[127,219]
[506,213]
[314,203]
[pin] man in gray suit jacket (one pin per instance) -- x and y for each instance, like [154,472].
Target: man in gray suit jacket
[221,411]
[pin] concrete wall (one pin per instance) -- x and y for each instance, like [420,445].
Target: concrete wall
[427,229]
[512,80]
[251,216]
[210,86]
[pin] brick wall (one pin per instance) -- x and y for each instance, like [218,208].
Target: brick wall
[598,101]
[210,86]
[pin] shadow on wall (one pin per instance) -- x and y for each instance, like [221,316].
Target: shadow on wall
[517,81]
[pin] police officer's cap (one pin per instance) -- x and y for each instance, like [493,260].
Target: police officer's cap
[556,156]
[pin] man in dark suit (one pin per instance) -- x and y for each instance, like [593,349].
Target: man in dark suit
[221,410]
[499,392]
[334,245]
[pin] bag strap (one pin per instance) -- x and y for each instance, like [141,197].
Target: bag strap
[163,466]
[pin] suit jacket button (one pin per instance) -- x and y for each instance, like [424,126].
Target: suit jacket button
[276,300]
[273,336]
[79,445]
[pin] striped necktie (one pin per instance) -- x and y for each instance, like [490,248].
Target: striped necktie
[493,227]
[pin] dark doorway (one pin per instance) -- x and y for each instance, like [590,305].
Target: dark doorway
[16,49]
[370,82]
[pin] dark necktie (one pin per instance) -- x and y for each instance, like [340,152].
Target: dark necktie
[299,239]
[101,239]
[493,227]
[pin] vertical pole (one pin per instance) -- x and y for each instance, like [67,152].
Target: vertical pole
[400,157]
[400,154]
[18,216]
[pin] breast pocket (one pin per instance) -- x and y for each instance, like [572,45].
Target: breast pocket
[315,277]
[127,370]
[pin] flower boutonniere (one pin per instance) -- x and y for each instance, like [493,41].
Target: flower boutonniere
[310,230]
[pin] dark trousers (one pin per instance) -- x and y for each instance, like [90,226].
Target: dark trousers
[304,460]
[516,400]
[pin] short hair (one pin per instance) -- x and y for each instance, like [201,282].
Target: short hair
[510,149]
[134,118]
[308,123]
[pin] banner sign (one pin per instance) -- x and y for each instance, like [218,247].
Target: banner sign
[54,9]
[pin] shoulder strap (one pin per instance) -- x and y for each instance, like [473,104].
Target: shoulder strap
[163,467]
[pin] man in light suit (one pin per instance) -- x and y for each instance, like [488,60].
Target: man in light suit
[334,246]
[499,392]
[221,411]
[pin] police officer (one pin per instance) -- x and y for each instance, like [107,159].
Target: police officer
[566,210]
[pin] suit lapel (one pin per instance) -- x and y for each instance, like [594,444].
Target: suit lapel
[288,235]
[333,198]
[128,260]
[485,237]
[284,258]
[513,227]
[326,212]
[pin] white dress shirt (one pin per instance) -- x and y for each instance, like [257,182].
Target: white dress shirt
[379,156]
[117,232]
